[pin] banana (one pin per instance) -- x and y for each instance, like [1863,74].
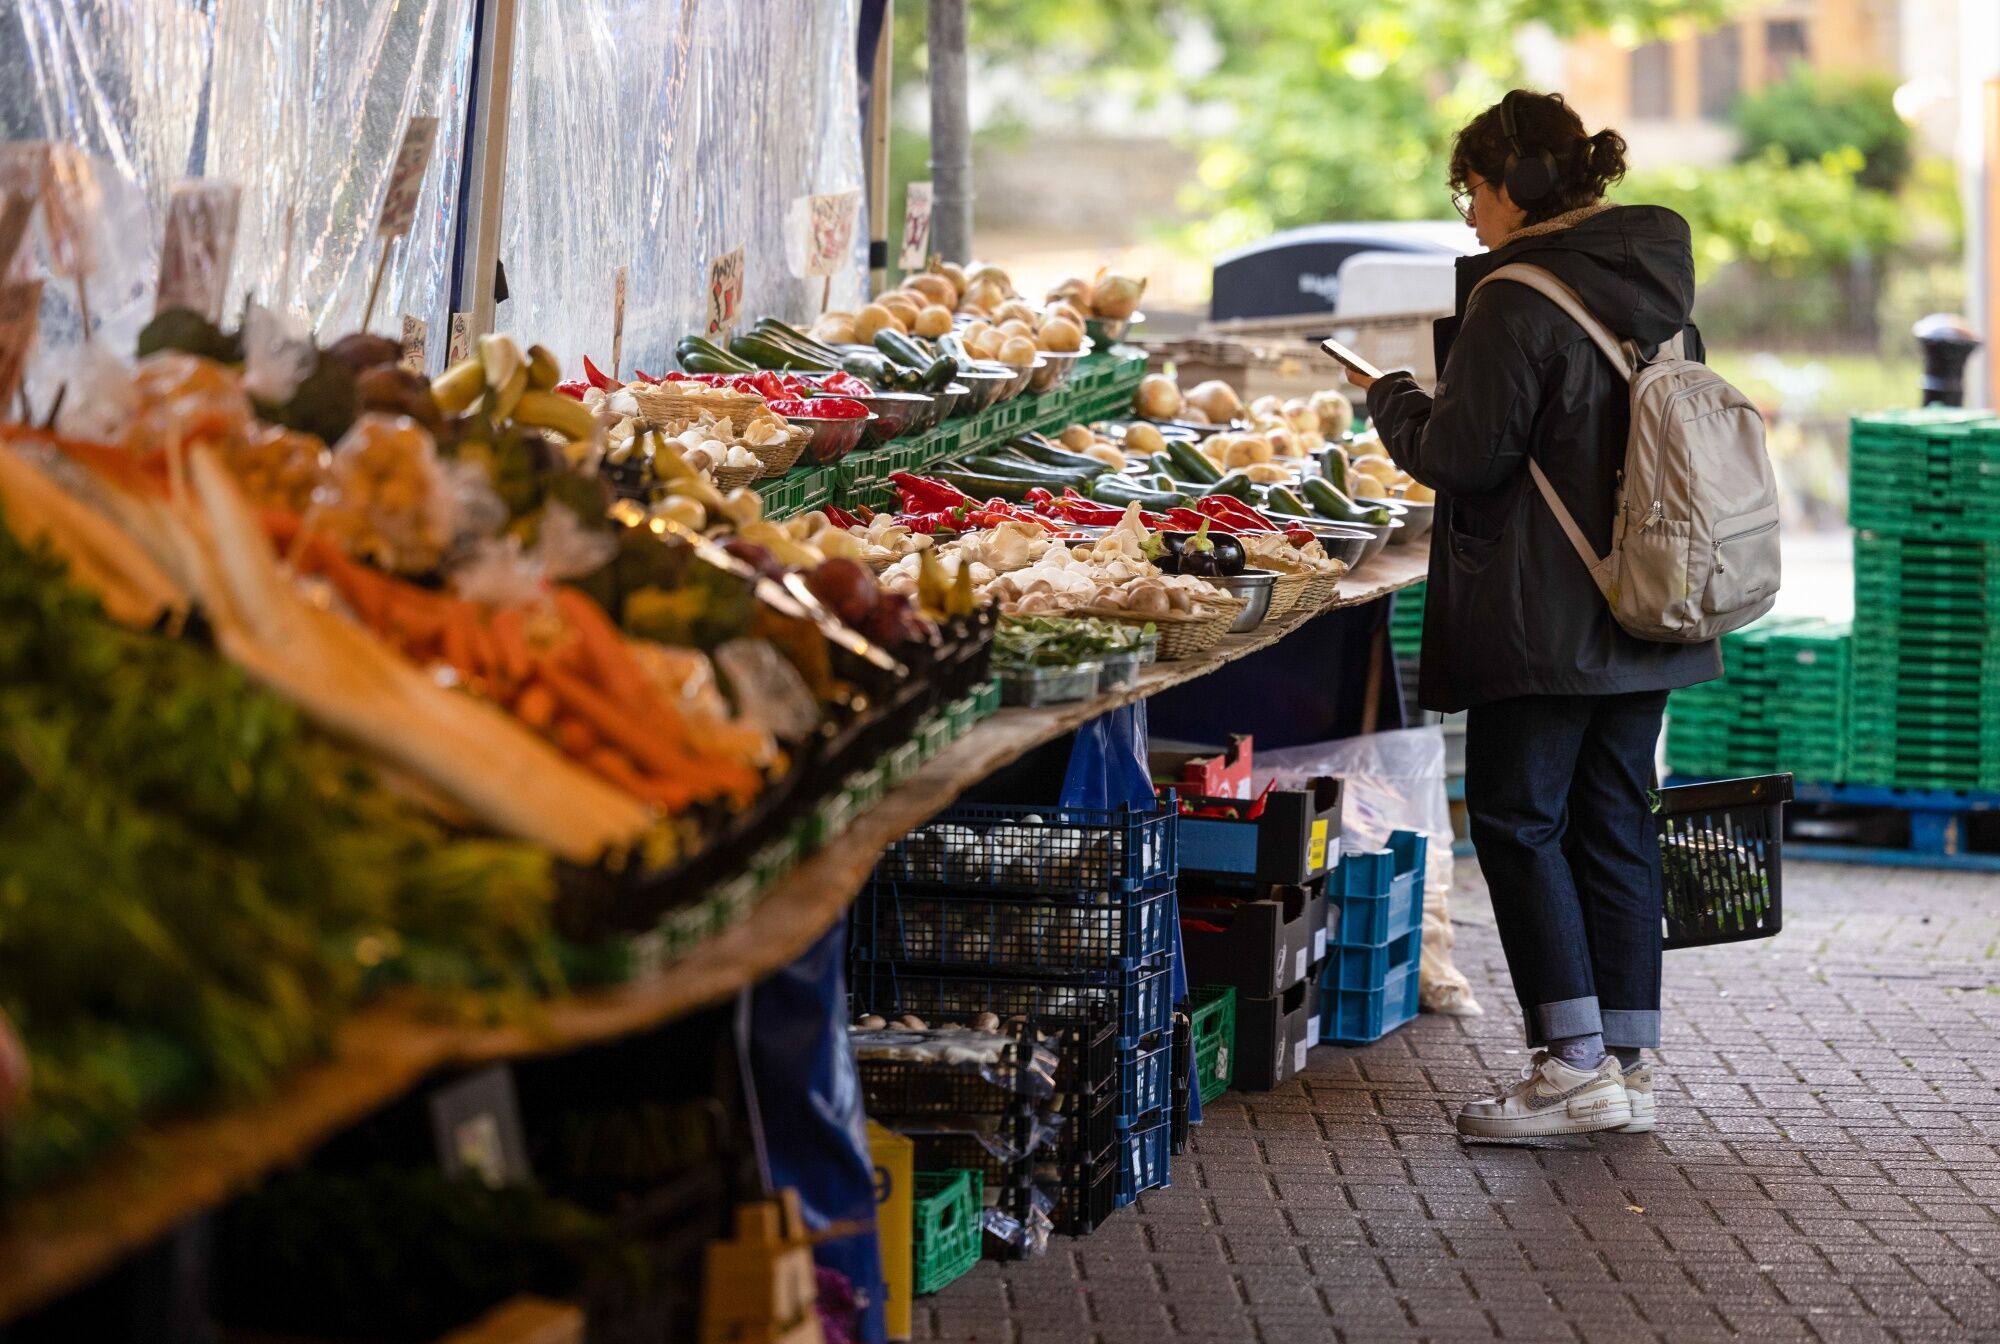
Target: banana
[543,371]
[508,395]
[542,409]
[501,358]
[455,388]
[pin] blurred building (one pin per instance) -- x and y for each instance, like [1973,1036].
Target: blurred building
[1672,98]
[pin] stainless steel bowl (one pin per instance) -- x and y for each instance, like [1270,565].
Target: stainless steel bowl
[1105,330]
[1417,516]
[1341,541]
[986,388]
[898,413]
[952,399]
[1254,586]
[1052,370]
[1018,382]
[832,439]
[1379,534]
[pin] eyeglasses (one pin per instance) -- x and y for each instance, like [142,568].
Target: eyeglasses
[1462,201]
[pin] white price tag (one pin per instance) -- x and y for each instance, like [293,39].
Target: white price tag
[415,332]
[1319,943]
[824,226]
[406,178]
[459,348]
[916,227]
[1299,966]
[725,292]
[1299,1048]
[20,312]
[199,246]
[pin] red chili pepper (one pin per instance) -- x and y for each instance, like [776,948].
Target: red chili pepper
[645,377]
[599,379]
[825,408]
[574,387]
[1235,513]
[921,494]
[840,517]
[1038,495]
[1299,536]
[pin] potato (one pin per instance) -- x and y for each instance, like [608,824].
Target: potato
[904,306]
[1363,486]
[1419,493]
[1076,438]
[1260,448]
[986,345]
[1014,326]
[1284,443]
[872,319]
[835,329]
[932,320]
[1268,473]
[1242,452]
[1017,352]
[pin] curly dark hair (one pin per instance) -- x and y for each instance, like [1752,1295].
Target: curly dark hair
[1586,165]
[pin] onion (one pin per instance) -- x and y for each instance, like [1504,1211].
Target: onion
[1077,438]
[955,273]
[1106,454]
[901,304]
[1336,412]
[870,320]
[1217,400]
[983,296]
[1116,296]
[1158,398]
[1076,289]
[1144,439]
[1061,337]
[1017,352]
[993,275]
[933,287]
[933,320]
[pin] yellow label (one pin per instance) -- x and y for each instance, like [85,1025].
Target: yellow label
[895,1160]
[1316,852]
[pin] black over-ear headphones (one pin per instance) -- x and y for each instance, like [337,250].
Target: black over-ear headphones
[1529,178]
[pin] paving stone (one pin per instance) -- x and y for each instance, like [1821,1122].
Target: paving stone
[1827,1167]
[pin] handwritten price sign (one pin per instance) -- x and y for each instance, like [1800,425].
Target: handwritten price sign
[725,292]
[200,244]
[827,223]
[916,228]
[416,332]
[406,178]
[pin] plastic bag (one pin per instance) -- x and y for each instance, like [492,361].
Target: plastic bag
[388,499]
[1393,782]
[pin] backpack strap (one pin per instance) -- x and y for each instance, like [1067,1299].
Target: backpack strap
[1624,360]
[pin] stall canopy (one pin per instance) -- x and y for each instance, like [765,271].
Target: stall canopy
[651,136]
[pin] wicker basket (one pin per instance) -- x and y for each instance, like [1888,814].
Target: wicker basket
[664,405]
[730,478]
[779,458]
[1319,591]
[1285,590]
[1180,636]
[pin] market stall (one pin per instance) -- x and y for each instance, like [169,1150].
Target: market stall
[419,749]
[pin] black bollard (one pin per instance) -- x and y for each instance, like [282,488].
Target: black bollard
[1947,343]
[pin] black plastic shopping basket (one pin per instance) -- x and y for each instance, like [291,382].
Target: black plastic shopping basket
[1721,852]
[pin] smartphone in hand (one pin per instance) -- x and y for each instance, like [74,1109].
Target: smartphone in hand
[1349,359]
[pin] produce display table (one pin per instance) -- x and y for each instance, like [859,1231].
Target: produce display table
[63,1235]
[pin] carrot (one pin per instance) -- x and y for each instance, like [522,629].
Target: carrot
[510,639]
[654,753]
[575,737]
[613,667]
[485,653]
[535,706]
[617,767]
[457,651]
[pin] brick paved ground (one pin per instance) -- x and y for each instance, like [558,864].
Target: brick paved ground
[1826,1167]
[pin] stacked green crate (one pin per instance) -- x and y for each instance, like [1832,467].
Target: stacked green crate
[1406,634]
[1924,496]
[1782,704]
[1926,662]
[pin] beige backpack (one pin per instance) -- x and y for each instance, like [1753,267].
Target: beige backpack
[1694,544]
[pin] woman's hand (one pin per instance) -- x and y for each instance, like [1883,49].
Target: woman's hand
[1360,380]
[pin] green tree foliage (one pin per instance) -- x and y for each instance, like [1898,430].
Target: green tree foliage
[1341,109]
[1810,116]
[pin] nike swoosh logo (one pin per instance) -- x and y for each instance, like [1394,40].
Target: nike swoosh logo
[1543,1102]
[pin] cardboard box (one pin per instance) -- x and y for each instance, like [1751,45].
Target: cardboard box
[1274,1035]
[1202,770]
[1295,840]
[1268,941]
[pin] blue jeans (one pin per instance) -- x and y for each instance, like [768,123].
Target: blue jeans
[1556,786]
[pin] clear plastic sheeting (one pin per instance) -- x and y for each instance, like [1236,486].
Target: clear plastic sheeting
[306,111]
[655,135]
[302,104]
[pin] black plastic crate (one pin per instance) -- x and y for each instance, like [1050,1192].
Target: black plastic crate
[1139,1002]
[1261,938]
[1296,839]
[1061,850]
[1721,856]
[1098,931]
[1183,1081]
[893,1089]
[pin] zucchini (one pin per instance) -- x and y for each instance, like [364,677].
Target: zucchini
[982,487]
[696,354]
[1333,466]
[871,368]
[1189,464]
[995,465]
[769,354]
[1123,490]
[903,350]
[1041,450]
[1328,502]
[1236,484]
[798,340]
[1279,499]
[940,373]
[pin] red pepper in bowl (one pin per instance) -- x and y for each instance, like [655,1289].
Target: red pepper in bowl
[819,408]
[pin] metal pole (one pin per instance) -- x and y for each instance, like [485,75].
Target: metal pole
[877,145]
[951,133]
[486,165]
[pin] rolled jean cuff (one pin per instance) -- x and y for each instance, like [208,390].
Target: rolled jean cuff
[1569,1017]
[1632,1028]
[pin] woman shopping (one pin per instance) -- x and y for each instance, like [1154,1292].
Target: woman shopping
[1564,705]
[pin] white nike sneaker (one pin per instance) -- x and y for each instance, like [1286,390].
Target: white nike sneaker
[1551,1098]
[1639,1095]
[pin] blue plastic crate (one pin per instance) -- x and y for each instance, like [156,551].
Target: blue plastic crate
[1145,1159]
[1358,1016]
[1037,849]
[1140,1001]
[1364,968]
[1145,1079]
[1099,931]
[1381,891]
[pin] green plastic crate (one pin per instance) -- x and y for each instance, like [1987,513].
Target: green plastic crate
[945,1212]
[1212,1027]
